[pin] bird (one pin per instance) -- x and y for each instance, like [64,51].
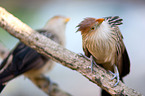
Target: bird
[23,60]
[102,42]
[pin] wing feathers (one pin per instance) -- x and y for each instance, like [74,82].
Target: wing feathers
[116,20]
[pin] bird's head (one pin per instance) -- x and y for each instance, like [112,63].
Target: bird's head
[89,25]
[56,22]
[57,25]
[57,19]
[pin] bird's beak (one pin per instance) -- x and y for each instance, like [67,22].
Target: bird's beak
[100,20]
[67,19]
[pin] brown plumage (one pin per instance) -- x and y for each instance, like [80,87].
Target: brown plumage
[102,39]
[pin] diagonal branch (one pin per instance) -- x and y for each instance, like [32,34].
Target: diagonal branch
[61,55]
[42,82]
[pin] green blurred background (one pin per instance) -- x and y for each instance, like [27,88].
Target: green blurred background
[35,13]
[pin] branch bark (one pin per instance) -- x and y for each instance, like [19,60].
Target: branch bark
[61,55]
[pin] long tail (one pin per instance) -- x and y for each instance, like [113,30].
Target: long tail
[104,93]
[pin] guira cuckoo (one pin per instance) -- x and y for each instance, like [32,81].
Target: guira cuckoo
[103,43]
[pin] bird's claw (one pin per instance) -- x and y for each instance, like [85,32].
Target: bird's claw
[82,55]
[91,58]
[115,75]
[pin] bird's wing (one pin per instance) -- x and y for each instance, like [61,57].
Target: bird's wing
[123,61]
[114,20]
[23,59]
[87,53]
[49,34]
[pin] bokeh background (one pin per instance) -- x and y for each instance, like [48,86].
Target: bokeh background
[35,13]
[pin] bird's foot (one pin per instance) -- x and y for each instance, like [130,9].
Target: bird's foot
[82,55]
[91,58]
[115,75]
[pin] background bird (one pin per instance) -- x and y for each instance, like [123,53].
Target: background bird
[24,60]
[103,42]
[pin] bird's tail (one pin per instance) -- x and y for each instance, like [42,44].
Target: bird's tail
[1,87]
[104,93]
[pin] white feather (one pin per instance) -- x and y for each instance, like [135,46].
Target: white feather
[103,31]
[103,45]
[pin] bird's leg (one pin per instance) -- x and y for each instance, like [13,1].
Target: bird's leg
[91,58]
[115,75]
[92,63]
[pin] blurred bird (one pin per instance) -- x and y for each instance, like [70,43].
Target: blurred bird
[24,60]
[103,43]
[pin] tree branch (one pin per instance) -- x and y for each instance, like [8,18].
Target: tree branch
[61,55]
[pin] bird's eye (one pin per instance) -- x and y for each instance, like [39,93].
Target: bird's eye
[93,28]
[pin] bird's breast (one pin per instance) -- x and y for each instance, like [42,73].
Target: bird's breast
[102,48]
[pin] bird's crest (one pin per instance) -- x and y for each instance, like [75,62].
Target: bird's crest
[86,23]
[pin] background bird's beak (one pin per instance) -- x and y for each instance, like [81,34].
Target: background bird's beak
[67,19]
[100,20]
